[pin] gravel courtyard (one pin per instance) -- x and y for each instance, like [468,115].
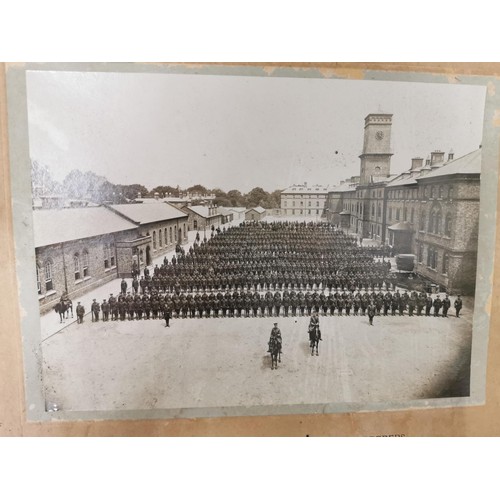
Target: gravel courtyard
[195,363]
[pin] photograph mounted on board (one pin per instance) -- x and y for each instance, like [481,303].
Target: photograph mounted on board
[194,245]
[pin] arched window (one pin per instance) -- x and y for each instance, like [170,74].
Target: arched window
[154,240]
[447,225]
[85,262]
[437,229]
[175,232]
[38,282]
[171,232]
[49,285]
[76,264]
[432,220]
[445,263]
[160,239]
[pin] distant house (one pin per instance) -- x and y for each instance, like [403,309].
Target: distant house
[202,217]
[238,212]
[256,213]
[226,215]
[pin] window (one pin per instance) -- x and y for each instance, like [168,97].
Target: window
[437,229]
[397,214]
[184,230]
[420,252]
[106,256]
[317,203]
[425,192]
[76,264]
[447,225]
[171,233]
[412,215]
[390,214]
[38,282]
[432,258]
[175,232]
[373,209]
[309,212]
[450,192]
[432,192]
[160,239]
[85,261]
[308,203]
[48,276]
[441,190]
[422,221]
[154,240]
[379,210]
[293,203]
[445,263]
[432,221]
[405,214]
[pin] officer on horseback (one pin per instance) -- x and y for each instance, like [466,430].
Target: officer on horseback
[313,325]
[275,337]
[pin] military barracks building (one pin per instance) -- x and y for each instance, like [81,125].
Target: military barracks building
[430,210]
[202,217]
[299,199]
[78,249]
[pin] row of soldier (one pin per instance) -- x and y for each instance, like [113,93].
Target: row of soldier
[246,304]
[266,256]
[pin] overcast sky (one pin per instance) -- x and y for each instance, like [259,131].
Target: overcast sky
[236,132]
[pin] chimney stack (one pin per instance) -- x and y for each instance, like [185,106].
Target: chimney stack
[437,157]
[451,154]
[417,163]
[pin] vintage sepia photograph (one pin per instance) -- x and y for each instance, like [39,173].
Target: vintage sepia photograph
[203,244]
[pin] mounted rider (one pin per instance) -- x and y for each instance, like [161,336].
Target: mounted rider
[313,325]
[275,337]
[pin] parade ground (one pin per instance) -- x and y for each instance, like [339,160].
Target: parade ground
[197,363]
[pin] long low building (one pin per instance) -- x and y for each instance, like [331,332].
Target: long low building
[78,249]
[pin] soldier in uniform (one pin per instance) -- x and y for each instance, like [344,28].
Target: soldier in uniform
[135,285]
[371,310]
[428,305]
[95,308]
[80,312]
[122,308]
[458,306]
[105,310]
[411,304]
[166,314]
[437,306]
[446,305]
[276,336]
[123,286]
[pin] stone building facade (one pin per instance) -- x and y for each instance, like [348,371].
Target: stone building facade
[304,200]
[430,210]
[202,217]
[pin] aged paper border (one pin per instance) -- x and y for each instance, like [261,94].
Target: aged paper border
[449,421]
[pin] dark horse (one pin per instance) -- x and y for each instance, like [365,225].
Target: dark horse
[275,348]
[314,338]
[63,309]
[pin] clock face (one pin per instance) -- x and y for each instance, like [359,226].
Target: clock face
[379,135]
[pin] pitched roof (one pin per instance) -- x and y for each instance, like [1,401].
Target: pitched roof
[235,209]
[259,210]
[467,164]
[202,211]
[144,213]
[67,224]
[401,226]
[297,189]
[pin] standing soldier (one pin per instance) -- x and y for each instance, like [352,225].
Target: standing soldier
[166,315]
[123,286]
[95,308]
[80,312]
[420,303]
[446,305]
[437,306]
[135,285]
[428,305]
[112,303]
[411,304]
[105,310]
[122,308]
[371,312]
[458,306]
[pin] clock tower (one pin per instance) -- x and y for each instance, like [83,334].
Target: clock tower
[376,156]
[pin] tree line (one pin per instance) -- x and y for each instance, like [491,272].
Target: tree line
[88,186]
